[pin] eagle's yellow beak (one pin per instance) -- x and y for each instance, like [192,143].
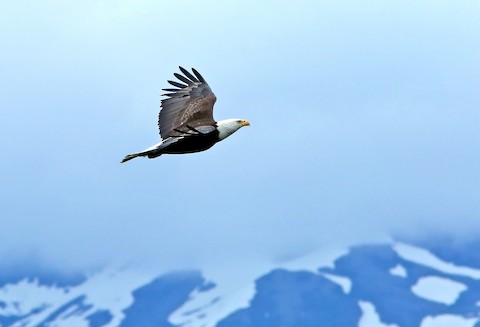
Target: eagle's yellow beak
[245,123]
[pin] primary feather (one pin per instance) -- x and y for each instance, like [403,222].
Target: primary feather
[190,104]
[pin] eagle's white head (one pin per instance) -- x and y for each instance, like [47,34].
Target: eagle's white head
[229,126]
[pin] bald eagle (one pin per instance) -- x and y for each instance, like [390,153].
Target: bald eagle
[186,119]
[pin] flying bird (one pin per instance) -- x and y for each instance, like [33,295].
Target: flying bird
[186,121]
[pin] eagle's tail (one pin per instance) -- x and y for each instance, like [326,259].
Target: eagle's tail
[130,157]
[151,152]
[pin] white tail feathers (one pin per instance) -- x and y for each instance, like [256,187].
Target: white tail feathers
[151,152]
[131,156]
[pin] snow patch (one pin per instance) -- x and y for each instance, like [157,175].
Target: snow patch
[72,321]
[438,289]
[344,282]
[370,316]
[425,258]
[399,271]
[108,290]
[25,296]
[206,309]
[235,288]
[448,321]
[232,292]
[112,290]
[324,258]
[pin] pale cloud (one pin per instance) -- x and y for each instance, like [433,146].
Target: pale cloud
[363,123]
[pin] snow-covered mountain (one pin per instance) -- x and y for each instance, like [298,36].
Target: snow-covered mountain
[392,284]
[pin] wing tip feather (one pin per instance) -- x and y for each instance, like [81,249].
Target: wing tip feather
[183,79]
[199,76]
[188,74]
[176,84]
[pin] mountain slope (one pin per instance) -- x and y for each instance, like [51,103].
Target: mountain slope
[367,286]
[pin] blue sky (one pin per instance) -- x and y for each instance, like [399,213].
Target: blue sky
[364,123]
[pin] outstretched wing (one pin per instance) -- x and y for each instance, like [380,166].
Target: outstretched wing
[190,104]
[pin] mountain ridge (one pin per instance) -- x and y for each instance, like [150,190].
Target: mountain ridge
[372,285]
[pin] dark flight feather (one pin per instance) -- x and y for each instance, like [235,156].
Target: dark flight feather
[200,77]
[190,104]
[183,79]
[180,85]
[187,73]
